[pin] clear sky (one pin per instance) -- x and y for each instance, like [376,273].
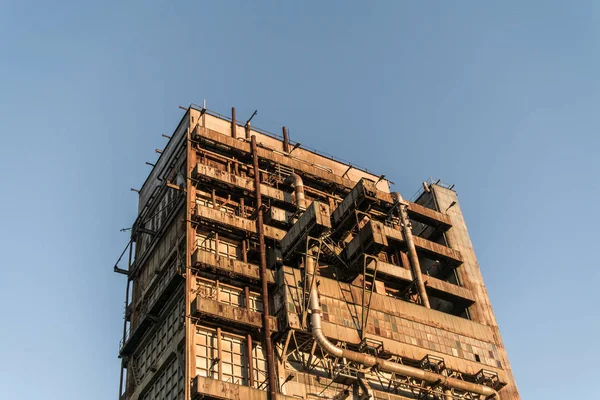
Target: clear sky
[500,99]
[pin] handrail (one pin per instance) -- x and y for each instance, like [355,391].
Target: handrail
[279,137]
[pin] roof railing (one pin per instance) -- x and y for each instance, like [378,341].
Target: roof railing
[430,181]
[279,137]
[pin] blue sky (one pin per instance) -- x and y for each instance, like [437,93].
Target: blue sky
[499,99]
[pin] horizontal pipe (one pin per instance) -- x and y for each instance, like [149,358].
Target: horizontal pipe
[371,361]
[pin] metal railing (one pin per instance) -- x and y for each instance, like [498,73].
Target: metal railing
[280,137]
[125,338]
[430,181]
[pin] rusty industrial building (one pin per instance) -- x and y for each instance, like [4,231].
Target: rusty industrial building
[260,269]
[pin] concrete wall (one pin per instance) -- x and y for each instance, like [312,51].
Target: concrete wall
[470,274]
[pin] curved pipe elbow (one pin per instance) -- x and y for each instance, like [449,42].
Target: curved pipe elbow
[371,361]
[326,344]
[296,181]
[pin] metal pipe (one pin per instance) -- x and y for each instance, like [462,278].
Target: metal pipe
[448,394]
[219,350]
[250,360]
[370,361]
[296,181]
[233,123]
[247,297]
[244,250]
[248,129]
[286,140]
[263,272]
[367,391]
[412,251]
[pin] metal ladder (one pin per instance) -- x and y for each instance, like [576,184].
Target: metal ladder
[368,287]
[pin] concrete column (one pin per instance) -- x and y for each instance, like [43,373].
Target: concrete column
[458,239]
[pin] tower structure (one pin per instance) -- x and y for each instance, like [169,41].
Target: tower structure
[260,269]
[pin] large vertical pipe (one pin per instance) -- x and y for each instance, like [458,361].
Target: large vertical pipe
[249,339]
[412,251]
[244,250]
[247,297]
[219,352]
[296,181]
[263,272]
[286,140]
[233,123]
[248,129]
[250,361]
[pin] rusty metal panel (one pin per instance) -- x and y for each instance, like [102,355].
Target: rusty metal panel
[233,221]
[229,266]
[267,154]
[224,390]
[313,222]
[238,315]
[363,191]
[206,173]
[448,291]
[365,194]
[370,239]
[428,216]
[426,246]
[451,255]
[391,270]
